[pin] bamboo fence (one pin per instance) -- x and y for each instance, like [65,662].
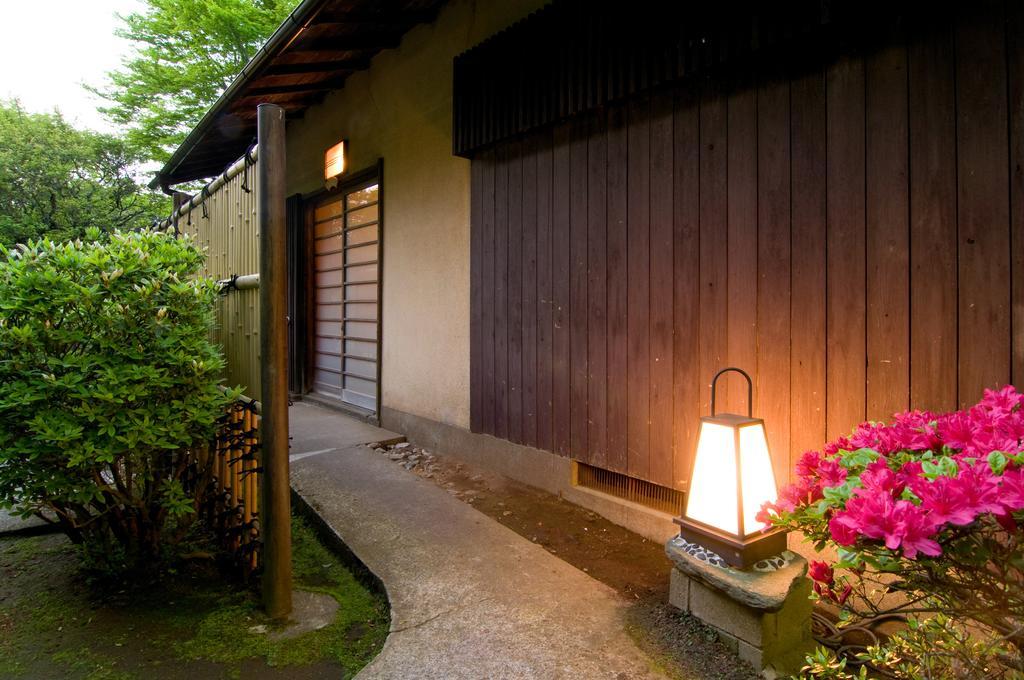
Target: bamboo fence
[223,220]
[227,481]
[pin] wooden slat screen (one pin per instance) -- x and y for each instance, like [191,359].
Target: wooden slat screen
[574,55]
[227,228]
[847,227]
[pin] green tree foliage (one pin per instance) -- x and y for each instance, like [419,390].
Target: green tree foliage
[56,181]
[108,378]
[187,52]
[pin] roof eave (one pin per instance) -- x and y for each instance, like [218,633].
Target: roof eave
[289,29]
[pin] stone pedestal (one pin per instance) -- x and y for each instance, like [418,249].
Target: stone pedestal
[763,614]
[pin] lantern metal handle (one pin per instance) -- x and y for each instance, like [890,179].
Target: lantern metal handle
[750,389]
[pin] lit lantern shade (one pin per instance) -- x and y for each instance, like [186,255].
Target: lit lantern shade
[334,160]
[731,478]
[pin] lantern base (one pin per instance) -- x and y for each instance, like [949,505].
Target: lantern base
[763,616]
[741,554]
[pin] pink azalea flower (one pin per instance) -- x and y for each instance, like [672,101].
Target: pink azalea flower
[766,514]
[915,419]
[1013,431]
[807,463]
[1011,490]
[913,431]
[956,430]
[909,471]
[803,492]
[843,529]
[980,488]
[1006,400]
[874,514]
[916,529]
[836,445]
[879,477]
[1004,441]
[870,513]
[986,426]
[944,500]
[831,473]
[821,572]
[875,436]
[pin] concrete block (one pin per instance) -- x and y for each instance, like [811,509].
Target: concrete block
[791,640]
[774,643]
[651,524]
[750,654]
[730,641]
[679,590]
[724,613]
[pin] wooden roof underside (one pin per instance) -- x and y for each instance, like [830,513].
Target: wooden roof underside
[341,38]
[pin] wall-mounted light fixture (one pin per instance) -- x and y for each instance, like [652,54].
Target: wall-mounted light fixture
[334,160]
[731,476]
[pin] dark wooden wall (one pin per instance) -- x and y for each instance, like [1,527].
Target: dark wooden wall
[848,228]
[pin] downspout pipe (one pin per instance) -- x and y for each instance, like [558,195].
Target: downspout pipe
[296,22]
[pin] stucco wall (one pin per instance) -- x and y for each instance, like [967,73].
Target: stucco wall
[400,110]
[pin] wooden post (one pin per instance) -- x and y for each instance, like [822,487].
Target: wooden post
[275,516]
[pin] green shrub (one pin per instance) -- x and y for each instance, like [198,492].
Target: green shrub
[108,378]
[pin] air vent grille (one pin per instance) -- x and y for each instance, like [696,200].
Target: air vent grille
[628,488]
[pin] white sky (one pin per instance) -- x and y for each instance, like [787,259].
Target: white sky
[48,49]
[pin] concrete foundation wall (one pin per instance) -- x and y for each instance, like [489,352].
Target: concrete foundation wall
[534,467]
[400,110]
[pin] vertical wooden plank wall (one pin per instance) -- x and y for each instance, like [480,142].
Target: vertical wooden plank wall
[983,239]
[615,264]
[772,322]
[849,230]
[1015,75]
[597,294]
[933,252]
[638,289]
[807,147]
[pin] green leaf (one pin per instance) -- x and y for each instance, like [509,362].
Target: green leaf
[997,462]
[94,389]
[859,459]
[943,466]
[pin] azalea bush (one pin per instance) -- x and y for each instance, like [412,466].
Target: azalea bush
[924,514]
[108,378]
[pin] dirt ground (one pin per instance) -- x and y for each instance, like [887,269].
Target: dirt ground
[194,623]
[637,568]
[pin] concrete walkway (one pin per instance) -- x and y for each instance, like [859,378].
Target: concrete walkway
[469,598]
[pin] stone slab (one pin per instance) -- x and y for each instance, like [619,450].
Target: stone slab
[11,524]
[310,611]
[761,590]
[469,598]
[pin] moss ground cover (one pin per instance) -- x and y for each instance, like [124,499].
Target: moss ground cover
[193,623]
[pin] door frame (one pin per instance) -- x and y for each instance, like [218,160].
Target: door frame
[346,183]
